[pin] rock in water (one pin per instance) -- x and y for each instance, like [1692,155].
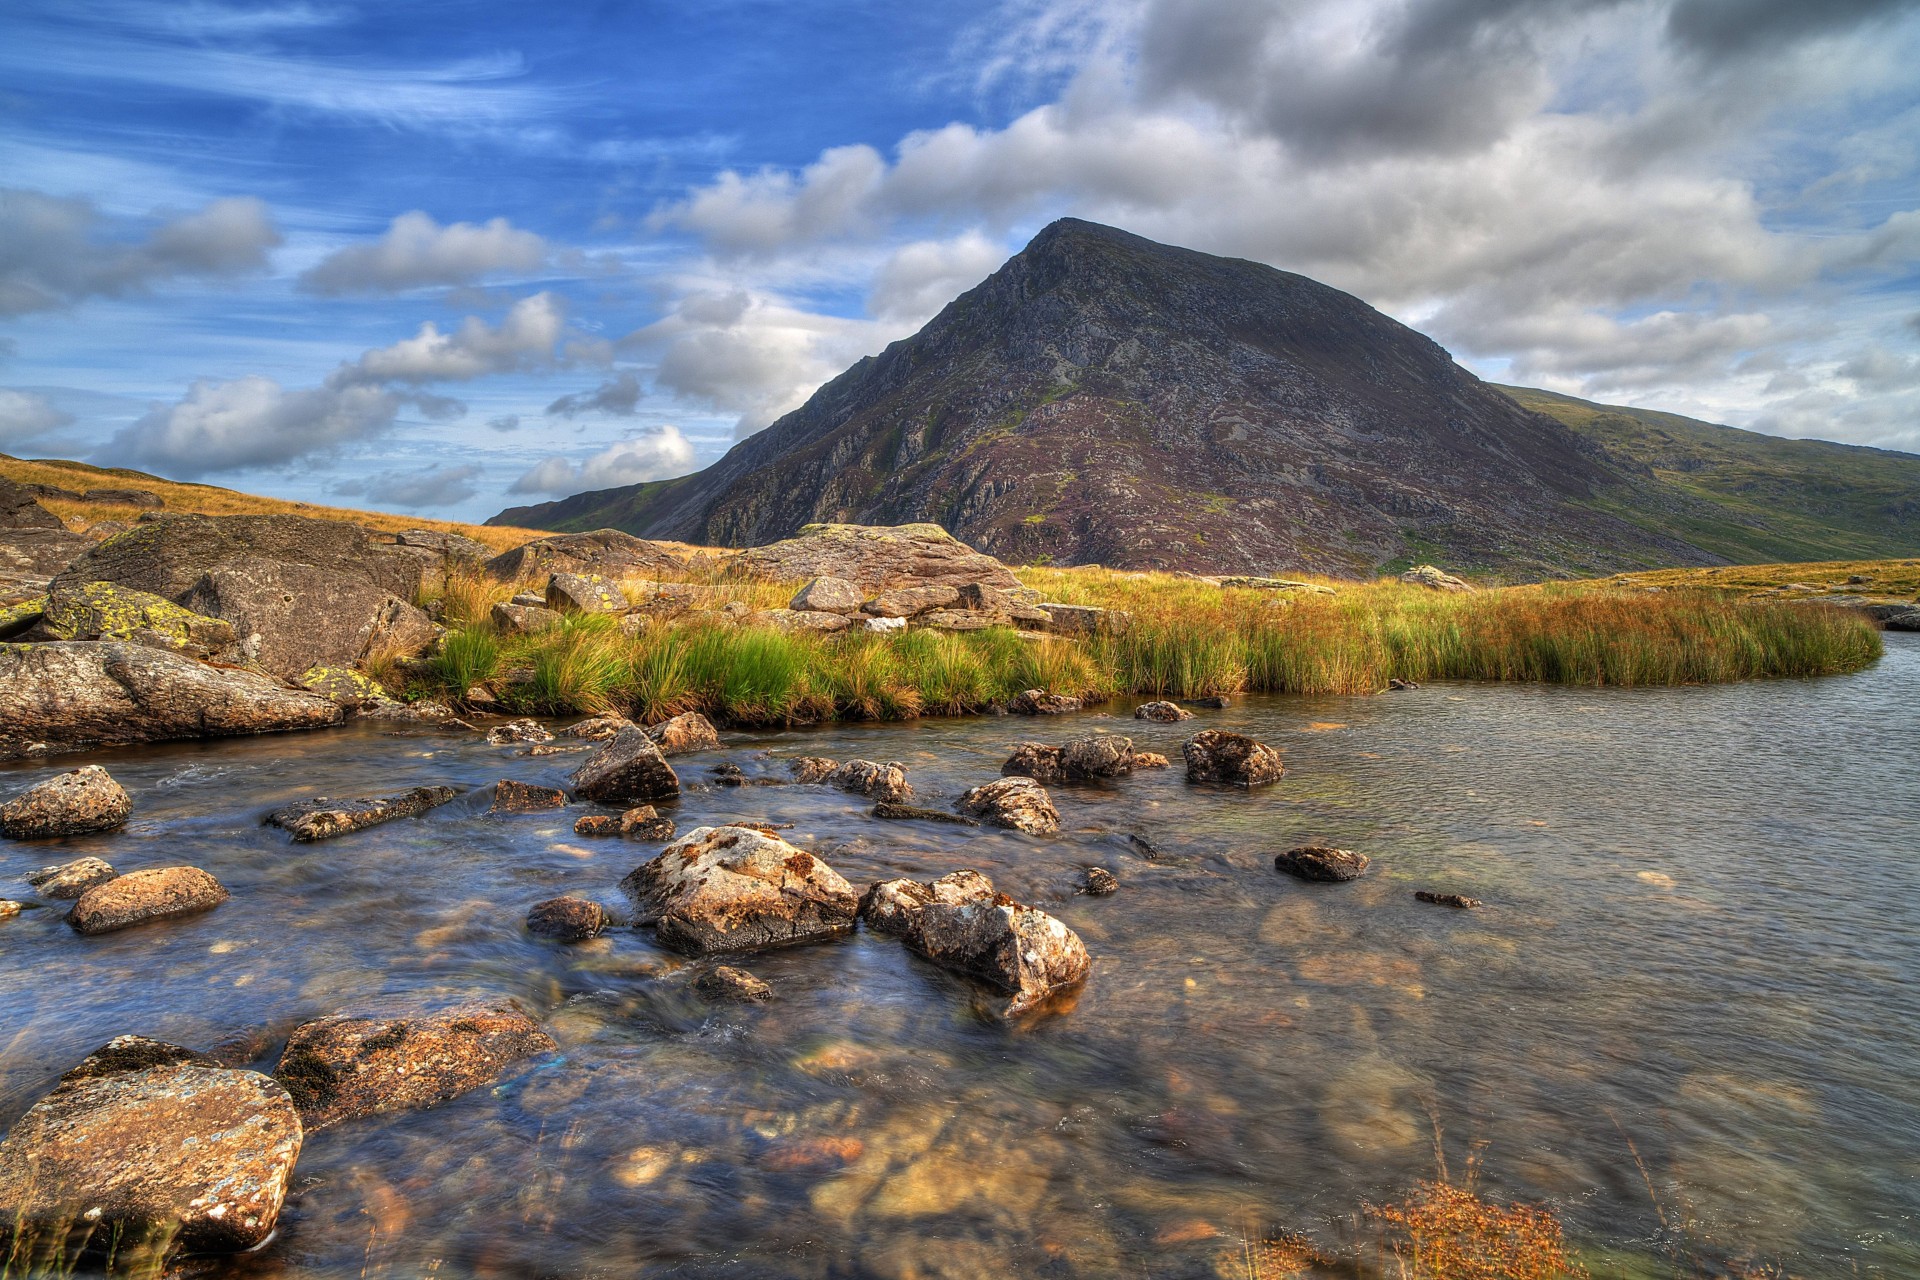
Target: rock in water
[1099,882]
[71,879]
[143,1158]
[1317,862]
[810,769]
[1038,702]
[874,781]
[73,804]
[322,819]
[510,796]
[1425,575]
[1034,760]
[1161,712]
[1214,755]
[159,893]
[597,824]
[346,1066]
[961,923]
[568,919]
[724,982]
[596,728]
[70,695]
[913,813]
[684,735]
[643,823]
[629,767]
[1019,803]
[518,731]
[1098,755]
[737,889]
[1459,900]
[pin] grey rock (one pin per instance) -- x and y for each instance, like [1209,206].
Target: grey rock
[323,819]
[737,889]
[585,593]
[1020,804]
[70,879]
[827,595]
[1317,862]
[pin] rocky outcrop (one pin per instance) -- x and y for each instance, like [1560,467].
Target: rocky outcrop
[828,595]
[567,919]
[67,696]
[584,593]
[19,509]
[1233,759]
[346,1066]
[726,983]
[1425,575]
[159,893]
[1038,702]
[31,558]
[684,734]
[628,768]
[1319,863]
[105,611]
[607,552]
[141,1159]
[70,879]
[875,557]
[960,922]
[1020,804]
[72,804]
[872,780]
[510,796]
[145,498]
[298,592]
[323,819]
[1162,712]
[737,889]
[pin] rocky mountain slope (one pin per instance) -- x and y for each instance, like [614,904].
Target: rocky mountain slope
[1106,399]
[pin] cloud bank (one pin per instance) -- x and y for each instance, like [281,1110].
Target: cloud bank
[417,252]
[659,454]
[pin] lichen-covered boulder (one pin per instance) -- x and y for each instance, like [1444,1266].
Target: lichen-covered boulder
[346,1066]
[323,819]
[1233,759]
[70,879]
[1162,712]
[827,595]
[523,619]
[71,804]
[146,1152]
[158,893]
[738,889]
[108,611]
[1425,575]
[1020,804]
[684,735]
[1038,702]
[22,616]
[628,768]
[873,780]
[69,695]
[347,687]
[567,919]
[584,593]
[1317,862]
[510,796]
[876,557]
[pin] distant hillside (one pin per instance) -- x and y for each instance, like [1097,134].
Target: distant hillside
[1744,496]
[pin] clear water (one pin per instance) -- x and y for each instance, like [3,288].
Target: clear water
[1697,959]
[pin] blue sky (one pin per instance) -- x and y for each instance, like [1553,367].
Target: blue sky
[444,257]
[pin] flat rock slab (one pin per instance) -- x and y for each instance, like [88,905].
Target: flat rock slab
[629,767]
[1232,759]
[960,922]
[322,818]
[71,879]
[875,557]
[1319,863]
[345,1066]
[71,695]
[177,1154]
[738,889]
[1019,804]
[73,804]
[159,893]
[525,797]
[914,813]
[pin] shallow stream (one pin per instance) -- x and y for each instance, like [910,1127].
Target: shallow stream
[1688,1016]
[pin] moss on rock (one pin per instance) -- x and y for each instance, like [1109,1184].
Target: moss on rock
[108,611]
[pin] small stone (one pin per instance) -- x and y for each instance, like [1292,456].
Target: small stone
[71,879]
[1161,712]
[729,774]
[827,595]
[597,824]
[1150,760]
[684,735]
[1099,882]
[650,829]
[518,731]
[159,893]
[568,919]
[1214,755]
[9,908]
[724,982]
[529,600]
[1017,803]
[1459,900]
[584,593]
[1319,863]
[525,797]
[71,804]
[1397,684]
[913,813]
[1038,702]
[1214,702]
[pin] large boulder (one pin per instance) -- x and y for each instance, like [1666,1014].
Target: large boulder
[608,552]
[107,611]
[629,767]
[1020,804]
[20,509]
[684,734]
[875,557]
[72,804]
[443,553]
[960,922]
[345,1066]
[1214,755]
[299,592]
[911,602]
[30,558]
[738,889]
[71,695]
[323,819]
[158,893]
[138,1152]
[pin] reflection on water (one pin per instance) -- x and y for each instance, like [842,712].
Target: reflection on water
[1700,935]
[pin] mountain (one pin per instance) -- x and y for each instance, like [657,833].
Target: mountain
[1106,399]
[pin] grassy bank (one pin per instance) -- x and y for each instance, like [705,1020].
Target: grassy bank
[1188,639]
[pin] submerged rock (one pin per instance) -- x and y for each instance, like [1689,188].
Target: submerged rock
[629,767]
[322,818]
[913,813]
[1317,862]
[1018,803]
[1161,712]
[510,796]
[159,893]
[70,879]
[1459,900]
[568,919]
[684,735]
[345,1066]
[140,1152]
[724,982]
[874,781]
[737,889]
[70,695]
[809,769]
[1038,702]
[72,804]
[1099,882]
[1214,755]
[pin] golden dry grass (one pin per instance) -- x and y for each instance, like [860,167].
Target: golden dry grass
[1891,579]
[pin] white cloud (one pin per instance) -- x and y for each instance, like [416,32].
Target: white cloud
[248,422]
[620,397]
[657,455]
[416,252]
[434,486]
[55,253]
[528,337]
[920,278]
[24,415]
